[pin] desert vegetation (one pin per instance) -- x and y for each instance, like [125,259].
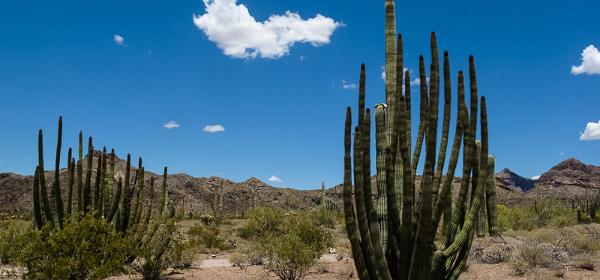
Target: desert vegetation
[400,220]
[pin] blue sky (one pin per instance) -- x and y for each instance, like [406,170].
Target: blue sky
[281,101]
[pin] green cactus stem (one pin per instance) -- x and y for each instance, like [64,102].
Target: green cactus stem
[404,223]
[37,210]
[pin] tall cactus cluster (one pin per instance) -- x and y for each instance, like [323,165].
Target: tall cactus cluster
[126,204]
[218,201]
[414,230]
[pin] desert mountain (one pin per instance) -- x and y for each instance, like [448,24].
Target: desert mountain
[189,194]
[570,178]
[512,180]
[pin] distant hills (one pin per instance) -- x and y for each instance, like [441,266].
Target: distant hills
[570,178]
[512,180]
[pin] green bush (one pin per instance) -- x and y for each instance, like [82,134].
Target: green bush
[322,216]
[86,248]
[292,253]
[263,221]
[546,213]
[12,240]
[206,237]
[156,253]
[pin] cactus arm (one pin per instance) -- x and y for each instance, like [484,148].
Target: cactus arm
[103,181]
[88,177]
[114,207]
[474,101]
[137,192]
[422,254]
[382,214]
[349,213]
[361,213]
[381,262]
[140,197]
[165,194]
[423,116]
[148,207]
[56,196]
[491,197]
[390,57]
[109,182]
[37,211]
[445,127]
[125,198]
[444,201]
[97,183]
[80,174]
[71,181]
[42,177]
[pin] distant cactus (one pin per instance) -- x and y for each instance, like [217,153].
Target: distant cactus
[395,238]
[109,204]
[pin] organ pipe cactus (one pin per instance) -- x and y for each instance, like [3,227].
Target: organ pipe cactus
[111,205]
[400,237]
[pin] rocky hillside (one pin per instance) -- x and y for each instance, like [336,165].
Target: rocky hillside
[512,180]
[569,178]
[190,194]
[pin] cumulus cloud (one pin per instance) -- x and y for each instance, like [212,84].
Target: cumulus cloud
[171,125]
[413,82]
[275,179]
[417,82]
[348,86]
[118,39]
[535,177]
[592,131]
[213,128]
[240,35]
[590,62]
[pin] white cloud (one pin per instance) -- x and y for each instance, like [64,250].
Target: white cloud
[118,39]
[590,62]
[348,86]
[239,35]
[535,177]
[213,128]
[414,82]
[275,179]
[417,82]
[592,131]
[171,125]
[562,153]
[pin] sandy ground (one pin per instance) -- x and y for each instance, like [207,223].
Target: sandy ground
[329,267]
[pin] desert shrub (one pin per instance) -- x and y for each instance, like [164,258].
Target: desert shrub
[291,254]
[514,218]
[528,256]
[323,216]
[263,221]
[157,253]
[12,241]
[239,259]
[548,213]
[206,237]
[86,248]
[582,244]
[186,253]
[584,261]
[495,253]
[542,274]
